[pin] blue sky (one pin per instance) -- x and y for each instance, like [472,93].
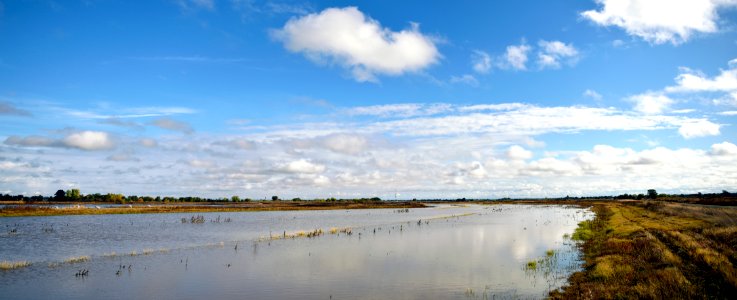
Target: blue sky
[368,98]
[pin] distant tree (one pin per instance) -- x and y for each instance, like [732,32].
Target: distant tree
[72,194]
[235,199]
[274,198]
[60,195]
[117,198]
[724,192]
[296,199]
[652,194]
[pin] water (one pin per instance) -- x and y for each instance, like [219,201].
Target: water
[423,254]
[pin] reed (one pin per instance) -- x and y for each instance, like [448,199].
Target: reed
[11,265]
[78,259]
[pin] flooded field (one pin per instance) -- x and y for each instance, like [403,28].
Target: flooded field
[500,251]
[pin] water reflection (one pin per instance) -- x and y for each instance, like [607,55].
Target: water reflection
[475,256]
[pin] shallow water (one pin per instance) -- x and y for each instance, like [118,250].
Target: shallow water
[422,254]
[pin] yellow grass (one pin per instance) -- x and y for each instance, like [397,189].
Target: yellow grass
[11,265]
[77,259]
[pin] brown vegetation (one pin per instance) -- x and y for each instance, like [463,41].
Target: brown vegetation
[91,209]
[649,249]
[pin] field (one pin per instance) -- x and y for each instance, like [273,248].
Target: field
[93,209]
[650,249]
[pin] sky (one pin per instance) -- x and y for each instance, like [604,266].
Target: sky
[350,99]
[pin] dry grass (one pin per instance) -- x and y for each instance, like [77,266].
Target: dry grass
[656,250]
[77,259]
[38,210]
[12,265]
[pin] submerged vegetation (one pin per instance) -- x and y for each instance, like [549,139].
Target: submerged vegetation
[652,249]
[10,265]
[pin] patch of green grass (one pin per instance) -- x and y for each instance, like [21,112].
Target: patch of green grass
[583,231]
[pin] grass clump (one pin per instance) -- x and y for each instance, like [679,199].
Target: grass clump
[583,231]
[77,259]
[11,265]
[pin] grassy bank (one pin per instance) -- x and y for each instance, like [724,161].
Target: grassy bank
[644,249]
[91,209]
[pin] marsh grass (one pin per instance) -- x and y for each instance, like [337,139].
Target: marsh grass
[655,250]
[78,259]
[12,265]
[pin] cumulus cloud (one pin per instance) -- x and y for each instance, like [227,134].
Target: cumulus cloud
[174,125]
[516,152]
[481,62]
[694,81]
[724,149]
[83,140]
[553,53]
[651,103]
[303,166]
[660,21]
[515,57]
[89,140]
[345,143]
[698,128]
[592,94]
[347,37]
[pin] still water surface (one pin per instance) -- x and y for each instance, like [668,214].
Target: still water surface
[431,253]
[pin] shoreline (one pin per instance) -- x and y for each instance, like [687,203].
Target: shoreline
[87,208]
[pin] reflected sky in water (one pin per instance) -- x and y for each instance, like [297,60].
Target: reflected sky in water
[422,254]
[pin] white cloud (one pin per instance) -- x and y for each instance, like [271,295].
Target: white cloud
[729,113]
[303,166]
[693,81]
[345,143]
[481,62]
[29,141]
[516,152]
[698,128]
[125,156]
[347,37]
[592,94]
[398,110]
[516,57]
[174,125]
[492,107]
[321,180]
[89,140]
[466,79]
[651,103]
[199,163]
[10,109]
[552,53]
[660,21]
[724,149]
[149,143]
